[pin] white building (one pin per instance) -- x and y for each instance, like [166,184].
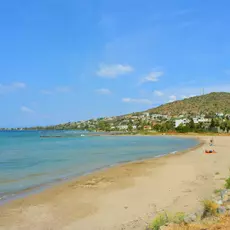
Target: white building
[157,116]
[181,121]
[219,114]
[201,120]
[146,114]
[123,127]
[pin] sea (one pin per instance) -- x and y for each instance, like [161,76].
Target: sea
[32,160]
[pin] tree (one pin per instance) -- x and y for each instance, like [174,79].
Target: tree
[182,128]
[228,126]
[130,127]
[212,125]
[191,125]
[223,126]
[157,127]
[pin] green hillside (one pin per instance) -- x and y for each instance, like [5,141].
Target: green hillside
[206,104]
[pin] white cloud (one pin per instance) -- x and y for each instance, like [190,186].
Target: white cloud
[60,89]
[140,101]
[158,93]
[11,87]
[26,109]
[172,98]
[103,91]
[112,71]
[152,77]
[19,85]
[47,92]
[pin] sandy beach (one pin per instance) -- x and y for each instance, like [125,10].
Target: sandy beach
[125,196]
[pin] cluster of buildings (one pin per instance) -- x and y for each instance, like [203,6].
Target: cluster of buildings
[124,122]
[143,121]
[136,121]
[196,120]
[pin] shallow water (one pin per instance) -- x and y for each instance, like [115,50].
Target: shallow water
[27,161]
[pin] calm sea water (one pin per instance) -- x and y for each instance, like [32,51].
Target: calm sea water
[28,161]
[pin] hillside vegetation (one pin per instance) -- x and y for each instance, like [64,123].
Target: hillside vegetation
[206,104]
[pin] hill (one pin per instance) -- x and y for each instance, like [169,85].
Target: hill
[206,104]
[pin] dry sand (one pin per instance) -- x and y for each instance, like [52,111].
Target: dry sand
[126,196]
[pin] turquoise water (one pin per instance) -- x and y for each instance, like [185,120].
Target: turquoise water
[28,161]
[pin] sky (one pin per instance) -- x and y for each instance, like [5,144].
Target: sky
[73,60]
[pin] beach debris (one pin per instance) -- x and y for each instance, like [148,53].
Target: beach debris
[221,210]
[225,198]
[199,213]
[219,202]
[190,218]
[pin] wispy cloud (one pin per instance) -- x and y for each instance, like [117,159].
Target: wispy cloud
[26,109]
[60,89]
[227,71]
[46,92]
[12,87]
[112,71]
[152,77]
[139,101]
[158,93]
[63,89]
[103,91]
[172,98]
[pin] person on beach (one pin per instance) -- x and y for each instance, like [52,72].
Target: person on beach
[211,142]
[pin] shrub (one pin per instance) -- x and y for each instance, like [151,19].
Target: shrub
[165,218]
[178,218]
[216,191]
[160,220]
[210,208]
[227,183]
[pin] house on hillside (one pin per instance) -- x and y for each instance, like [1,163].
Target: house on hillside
[197,120]
[219,114]
[146,114]
[158,116]
[122,127]
[181,121]
[147,127]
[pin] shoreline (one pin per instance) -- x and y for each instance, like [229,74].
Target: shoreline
[126,196]
[23,194]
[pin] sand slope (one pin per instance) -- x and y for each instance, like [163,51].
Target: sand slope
[126,196]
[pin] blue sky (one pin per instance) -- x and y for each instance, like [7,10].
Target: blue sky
[72,60]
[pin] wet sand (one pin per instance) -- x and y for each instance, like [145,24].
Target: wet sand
[125,196]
